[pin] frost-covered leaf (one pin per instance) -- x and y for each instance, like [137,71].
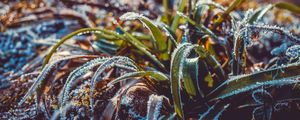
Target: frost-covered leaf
[262,96]
[105,65]
[159,40]
[199,26]
[154,106]
[279,50]
[153,74]
[231,7]
[190,75]
[214,112]
[259,13]
[78,32]
[293,51]
[285,75]
[42,76]
[177,61]
[135,42]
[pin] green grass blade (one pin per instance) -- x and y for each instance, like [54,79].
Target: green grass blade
[139,45]
[190,76]
[212,62]
[231,7]
[175,22]
[258,14]
[156,33]
[239,84]
[288,6]
[177,61]
[156,75]
[67,37]
[199,26]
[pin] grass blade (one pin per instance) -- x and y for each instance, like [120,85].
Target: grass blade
[177,61]
[158,38]
[154,74]
[258,14]
[288,6]
[277,76]
[175,22]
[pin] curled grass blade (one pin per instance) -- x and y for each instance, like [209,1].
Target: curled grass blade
[177,61]
[190,76]
[67,37]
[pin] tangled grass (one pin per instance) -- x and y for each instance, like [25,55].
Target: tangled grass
[206,62]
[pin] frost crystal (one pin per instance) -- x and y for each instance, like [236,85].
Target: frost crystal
[293,51]
[130,16]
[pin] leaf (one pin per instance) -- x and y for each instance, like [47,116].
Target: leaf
[154,106]
[105,46]
[199,26]
[231,7]
[36,86]
[214,112]
[190,76]
[79,71]
[156,33]
[262,96]
[199,12]
[285,75]
[106,64]
[142,48]
[175,22]
[77,32]
[154,74]
[293,51]
[212,62]
[177,61]
[259,13]
[288,6]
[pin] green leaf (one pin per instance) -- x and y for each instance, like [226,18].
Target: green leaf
[199,12]
[105,46]
[199,26]
[177,61]
[156,33]
[156,75]
[139,45]
[212,62]
[288,6]
[175,22]
[231,7]
[190,76]
[277,76]
[77,32]
[259,13]
[282,5]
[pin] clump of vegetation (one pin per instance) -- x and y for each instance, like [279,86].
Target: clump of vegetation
[203,60]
